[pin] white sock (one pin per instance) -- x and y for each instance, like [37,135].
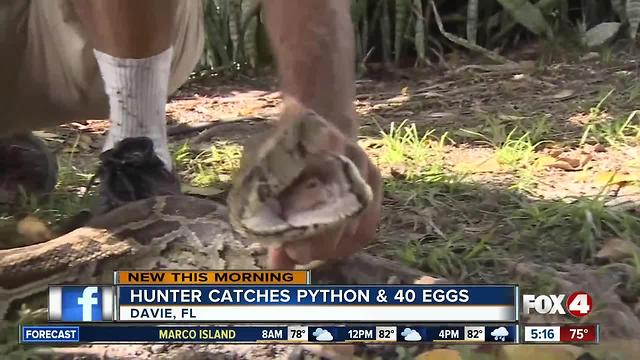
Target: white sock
[137,90]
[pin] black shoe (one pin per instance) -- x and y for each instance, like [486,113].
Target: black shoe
[132,171]
[27,163]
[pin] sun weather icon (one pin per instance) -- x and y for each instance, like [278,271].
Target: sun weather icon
[500,333]
[410,335]
[322,335]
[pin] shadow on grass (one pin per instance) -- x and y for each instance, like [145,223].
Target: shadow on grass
[470,232]
[458,228]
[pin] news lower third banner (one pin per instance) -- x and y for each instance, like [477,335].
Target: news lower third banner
[273,296]
[284,303]
[476,333]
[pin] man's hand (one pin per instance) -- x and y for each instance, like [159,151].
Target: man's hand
[314,44]
[347,239]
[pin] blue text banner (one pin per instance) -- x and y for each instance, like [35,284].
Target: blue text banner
[311,303]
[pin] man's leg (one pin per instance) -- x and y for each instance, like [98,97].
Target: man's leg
[132,43]
[25,162]
[52,79]
[314,46]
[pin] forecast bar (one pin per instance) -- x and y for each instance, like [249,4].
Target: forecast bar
[301,333]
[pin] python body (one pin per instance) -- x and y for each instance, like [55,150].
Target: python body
[279,195]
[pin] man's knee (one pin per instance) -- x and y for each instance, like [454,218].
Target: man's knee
[57,79]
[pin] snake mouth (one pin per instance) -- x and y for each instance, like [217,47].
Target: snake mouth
[327,192]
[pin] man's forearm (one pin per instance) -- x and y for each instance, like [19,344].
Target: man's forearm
[314,46]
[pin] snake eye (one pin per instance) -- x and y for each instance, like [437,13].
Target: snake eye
[312,184]
[264,192]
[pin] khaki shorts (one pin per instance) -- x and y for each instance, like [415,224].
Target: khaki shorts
[48,73]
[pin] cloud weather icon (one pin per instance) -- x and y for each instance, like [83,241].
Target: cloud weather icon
[410,335]
[500,333]
[322,335]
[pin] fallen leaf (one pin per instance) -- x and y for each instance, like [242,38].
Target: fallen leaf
[556,152]
[427,280]
[616,249]
[370,143]
[201,191]
[562,165]
[398,99]
[539,352]
[575,163]
[571,164]
[490,164]
[248,111]
[441,115]
[563,94]
[34,230]
[398,171]
[339,352]
[616,178]
[402,113]
[598,148]
[589,56]
[439,354]
[48,136]
[545,160]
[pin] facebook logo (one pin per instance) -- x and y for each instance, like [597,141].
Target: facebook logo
[80,303]
[86,300]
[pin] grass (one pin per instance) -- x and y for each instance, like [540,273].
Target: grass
[421,153]
[9,330]
[617,132]
[510,225]
[208,167]
[472,230]
[68,200]
[514,149]
[513,227]
[497,130]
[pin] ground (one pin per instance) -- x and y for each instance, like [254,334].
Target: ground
[493,173]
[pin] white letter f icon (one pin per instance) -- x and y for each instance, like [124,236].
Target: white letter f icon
[87,301]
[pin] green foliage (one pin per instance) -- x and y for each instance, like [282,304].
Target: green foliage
[391,31]
[528,15]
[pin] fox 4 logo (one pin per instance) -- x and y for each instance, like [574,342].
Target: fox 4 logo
[578,304]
